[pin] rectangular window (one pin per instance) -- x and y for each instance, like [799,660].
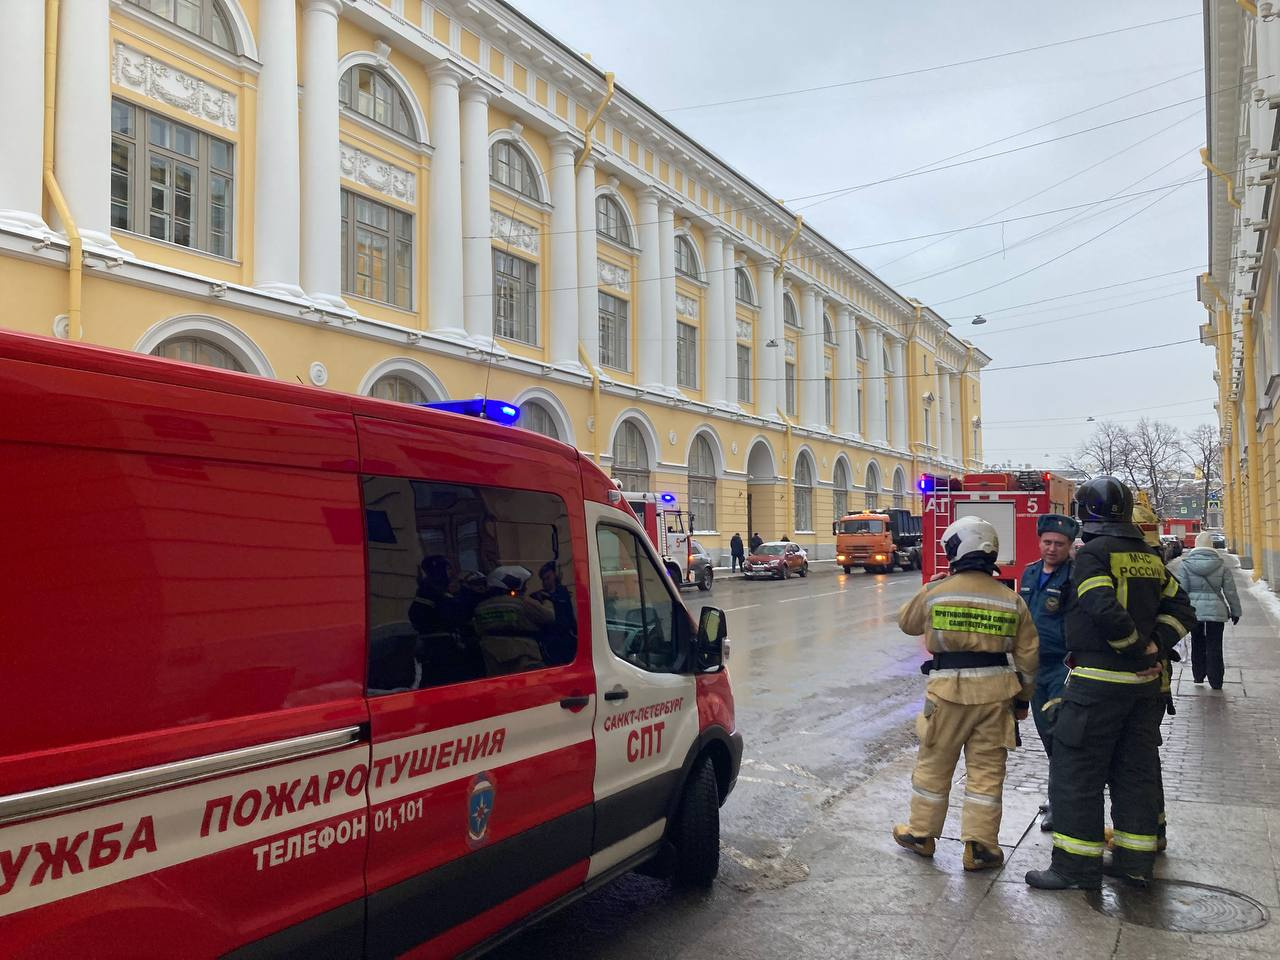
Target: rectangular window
[862,414]
[169,181]
[515,298]
[432,549]
[744,374]
[377,251]
[826,399]
[791,389]
[686,355]
[639,611]
[614,339]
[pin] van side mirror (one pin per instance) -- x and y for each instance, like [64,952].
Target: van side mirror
[711,647]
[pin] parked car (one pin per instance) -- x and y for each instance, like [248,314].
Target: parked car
[778,559]
[1219,540]
[700,564]
[1170,547]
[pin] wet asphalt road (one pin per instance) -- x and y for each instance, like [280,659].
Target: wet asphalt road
[826,688]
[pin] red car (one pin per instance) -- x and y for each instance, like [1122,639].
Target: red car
[777,560]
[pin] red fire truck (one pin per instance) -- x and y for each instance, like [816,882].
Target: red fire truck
[1184,529]
[1011,501]
[663,521]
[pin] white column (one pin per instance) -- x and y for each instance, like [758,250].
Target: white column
[956,384]
[945,423]
[82,154]
[321,193]
[729,331]
[765,393]
[277,204]
[812,413]
[713,391]
[444,218]
[899,386]
[563,325]
[778,361]
[588,266]
[22,117]
[477,250]
[649,288]
[877,427]
[846,368]
[667,272]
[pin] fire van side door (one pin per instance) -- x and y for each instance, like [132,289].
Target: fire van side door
[480,695]
[646,717]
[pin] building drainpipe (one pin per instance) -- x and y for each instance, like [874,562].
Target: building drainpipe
[75,251]
[591,124]
[595,400]
[1250,405]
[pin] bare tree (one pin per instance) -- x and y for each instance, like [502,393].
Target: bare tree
[1203,446]
[1155,460]
[1105,452]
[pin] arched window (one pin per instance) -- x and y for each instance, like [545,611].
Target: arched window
[702,484]
[861,348]
[400,389]
[789,315]
[840,495]
[536,417]
[873,487]
[368,92]
[510,167]
[631,458]
[611,222]
[899,488]
[686,258]
[828,331]
[742,286]
[204,18]
[804,494]
[198,350]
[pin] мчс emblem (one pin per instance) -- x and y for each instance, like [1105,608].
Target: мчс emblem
[480,797]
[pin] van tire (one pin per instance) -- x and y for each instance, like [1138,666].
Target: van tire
[696,834]
[704,581]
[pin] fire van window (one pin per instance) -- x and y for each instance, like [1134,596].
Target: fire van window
[638,607]
[465,583]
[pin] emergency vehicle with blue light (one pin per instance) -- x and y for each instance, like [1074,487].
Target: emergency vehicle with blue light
[290,672]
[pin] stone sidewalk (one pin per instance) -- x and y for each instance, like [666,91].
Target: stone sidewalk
[845,889]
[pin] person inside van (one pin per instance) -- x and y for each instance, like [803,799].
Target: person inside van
[560,640]
[509,623]
[439,616]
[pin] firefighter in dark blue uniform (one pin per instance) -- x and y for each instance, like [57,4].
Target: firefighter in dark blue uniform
[1046,589]
[1128,612]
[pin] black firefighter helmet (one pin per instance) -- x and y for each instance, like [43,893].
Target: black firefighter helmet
[1104,500]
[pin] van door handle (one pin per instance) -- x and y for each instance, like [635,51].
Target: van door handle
[575,703]
[617,693]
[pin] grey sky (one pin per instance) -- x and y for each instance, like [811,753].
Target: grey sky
[676,54]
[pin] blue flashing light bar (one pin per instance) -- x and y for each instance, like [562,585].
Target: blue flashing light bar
[499,411]
[667,497]
[925,483]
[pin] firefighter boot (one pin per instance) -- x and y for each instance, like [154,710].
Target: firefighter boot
[1110,869]
[979,857]
[1051,879]
[922,846]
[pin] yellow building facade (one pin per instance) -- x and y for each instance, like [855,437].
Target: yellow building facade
[426,201]
[1241,289]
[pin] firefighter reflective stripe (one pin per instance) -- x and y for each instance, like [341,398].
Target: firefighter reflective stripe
[1141,842]
[1081,848]
[1124,643]
[1091,583]
[1169,620]
[956,619]
[1109,676]
[982,798]
[1171,587]
[928,795]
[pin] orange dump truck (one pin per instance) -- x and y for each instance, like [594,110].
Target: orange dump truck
[878,540]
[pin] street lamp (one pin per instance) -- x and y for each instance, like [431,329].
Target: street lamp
[979,320]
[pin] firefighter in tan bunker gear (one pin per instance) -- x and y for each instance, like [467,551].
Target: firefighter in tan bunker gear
[971,624]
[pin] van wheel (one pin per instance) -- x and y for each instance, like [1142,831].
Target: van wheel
[696,834]
[704,581]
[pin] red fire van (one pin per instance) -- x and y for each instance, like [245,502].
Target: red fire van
[290,672]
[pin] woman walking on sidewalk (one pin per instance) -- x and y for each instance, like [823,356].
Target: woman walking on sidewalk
[1204,575]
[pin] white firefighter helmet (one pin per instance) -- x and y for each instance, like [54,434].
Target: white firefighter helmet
[510,577]
[970,535]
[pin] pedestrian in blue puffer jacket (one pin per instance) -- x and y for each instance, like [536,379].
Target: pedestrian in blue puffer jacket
[1204,575]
